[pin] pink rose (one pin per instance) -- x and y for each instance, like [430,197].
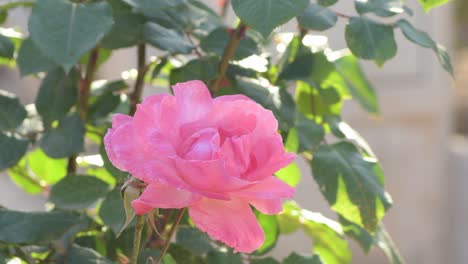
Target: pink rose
[214,156]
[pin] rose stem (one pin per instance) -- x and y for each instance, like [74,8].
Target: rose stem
[228,53]
[170,235]
[83,98]
[140,222]
[135,97]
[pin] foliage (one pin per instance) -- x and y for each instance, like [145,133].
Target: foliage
[304,85]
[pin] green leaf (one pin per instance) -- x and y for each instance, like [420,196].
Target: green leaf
[217,40]
[384,241]
[12,150]
[423,39]
[327,2]
[317,17]
[266,15]
[290,174]
[152,254]
[23,178]
[127,29]
[328,238]
[129,194]
[429,4]
[359,234]
[151,6]
[356,82]
[34,227]
[289,218]
[166,39]
[57,94]
[268,260]
[295,258]
[47,169]
[83,255]
[217,257]
[31,59]
[183,255]
[269,224]
[310,133]
[112,211]
[65,140]
[204,69]
[77,192]
[194,240]
[12,112]
[278,100]
[67,37]
[7,47]
[351,183]
[383,8]
[370,40]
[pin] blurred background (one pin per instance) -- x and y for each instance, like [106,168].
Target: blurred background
[420,137]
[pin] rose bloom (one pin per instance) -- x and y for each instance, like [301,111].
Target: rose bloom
[214,156]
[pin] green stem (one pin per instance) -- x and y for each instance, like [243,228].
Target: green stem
[140,222]
[170,235]
[135,97]
[228,53]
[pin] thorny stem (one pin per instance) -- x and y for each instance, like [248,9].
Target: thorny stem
[228,53]
[140,222]
[170,235]
[83,97]
[135,97]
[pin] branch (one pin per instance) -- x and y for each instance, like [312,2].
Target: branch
[170,235]
[228,53]
[135,97]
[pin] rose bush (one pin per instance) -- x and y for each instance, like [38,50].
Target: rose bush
[213,156]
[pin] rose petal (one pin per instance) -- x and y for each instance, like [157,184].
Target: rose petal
[269,188]
[231,222]
[203,145]
[163,196]
[193,99]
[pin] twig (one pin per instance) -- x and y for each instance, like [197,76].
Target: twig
[140,222]
[228,53]
[170,235]
[135,97]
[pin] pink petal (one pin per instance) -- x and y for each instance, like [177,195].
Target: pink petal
[193,99]
[235,151]
[162,196]
[230,98]
[231,222]
[203,145]
[267,195]
[209,177]
[117,121]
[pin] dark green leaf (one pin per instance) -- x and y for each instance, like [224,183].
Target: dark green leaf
[217,40]
[352,184]
[31,59]
[295,258]
[12,112]
[266,15]
[166,39]
[112,211]
[194,240]
[327,2]
[383,8]
[68,36]
[290,174]
[183,255]
[359,234]
[127,29]
[429,4]
[152,6]
[370,40]
[328,238]
[11,151]
[101,106]
[279,101]
[45,168]
[269,224]
[356,82]
[7,47]
[310,134]
[148,254]
[317,17]
[77,192]
[34,228]
[23,178]
[268,260]
[65,140]
[204,69]
[217,257]
[83,255]
[57,94]
[423,39]
[2,259]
